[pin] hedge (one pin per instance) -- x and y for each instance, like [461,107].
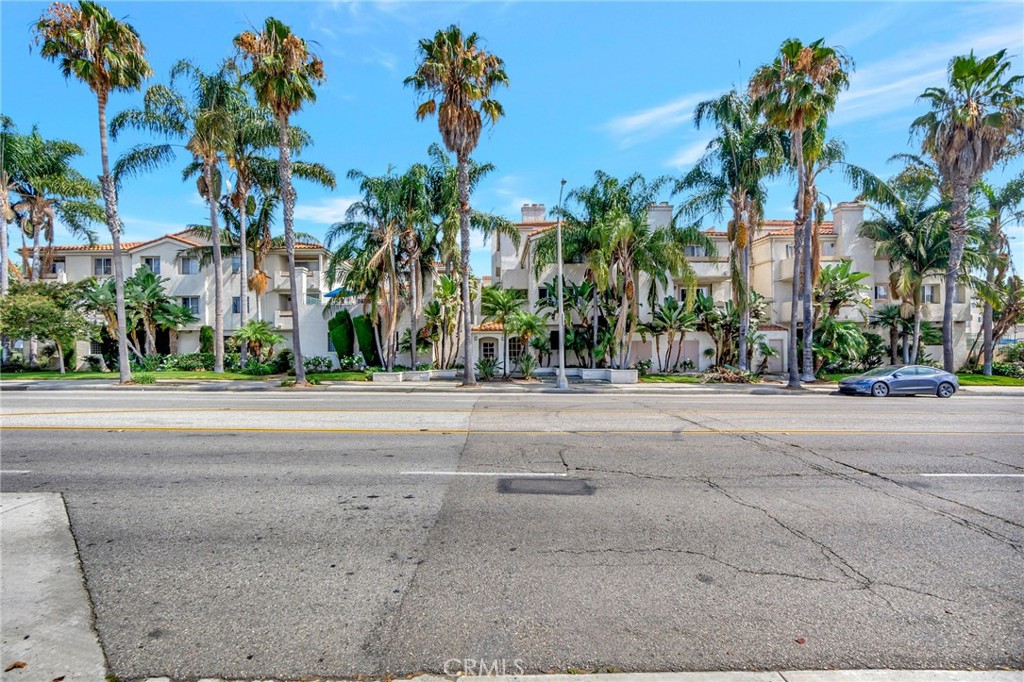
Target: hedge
[364,333]
[342,333]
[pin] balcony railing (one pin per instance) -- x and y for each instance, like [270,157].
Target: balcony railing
[283,319]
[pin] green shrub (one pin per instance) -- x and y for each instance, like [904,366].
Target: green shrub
[527,365]
[188,362]
[1014,352]
[142,378]
[318,363]
[342,333]
[206,339]
[284,361]
[486,368]
[256,368]
[367,347]
[643,367]
[148,363]
[95,362]
[1008,369]
[349,362]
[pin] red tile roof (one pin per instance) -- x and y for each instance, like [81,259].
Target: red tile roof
[488,327]
[771,328]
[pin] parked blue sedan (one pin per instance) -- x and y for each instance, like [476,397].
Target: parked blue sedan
[905,380]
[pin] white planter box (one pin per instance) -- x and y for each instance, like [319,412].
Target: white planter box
[622,376]
[422,375]
[388,377]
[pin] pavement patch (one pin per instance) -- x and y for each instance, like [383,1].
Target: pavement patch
[47,618]
[545,486]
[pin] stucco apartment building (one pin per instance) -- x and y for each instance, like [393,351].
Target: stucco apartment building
[192,284]
[771,276]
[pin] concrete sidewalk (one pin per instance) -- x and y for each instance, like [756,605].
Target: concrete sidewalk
[47,622]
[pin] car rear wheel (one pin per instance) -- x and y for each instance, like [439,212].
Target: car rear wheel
[879,390]
[946,390]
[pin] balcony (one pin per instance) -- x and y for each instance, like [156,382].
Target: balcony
[932,312]
[58,277]
[282,281]
[283,319]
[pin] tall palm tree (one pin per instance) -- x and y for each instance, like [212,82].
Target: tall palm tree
[497,305]
[910,231]
[107,55]
[283,74]
[674,321]
[731,174]
[1003,205]
[367,255]
[199,118]
[793,92]
[972,124]
[418,238]
[890,317]
[40,186]
[457,76]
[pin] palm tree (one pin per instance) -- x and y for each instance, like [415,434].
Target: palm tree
[793,92]
[910,231]
[731,174]
[1003,205]
[107,55]
[890,316]
[457,76]
[525,325]
[40,187]
[283,73]
[673,320]
[367,254]
[203,125]
[259,338]
[972,124]
[497,304]
[152,307]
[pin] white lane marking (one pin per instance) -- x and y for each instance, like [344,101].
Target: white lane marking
[14,472]
[519,474]
[974,475]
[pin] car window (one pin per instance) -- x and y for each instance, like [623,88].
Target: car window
[925,371]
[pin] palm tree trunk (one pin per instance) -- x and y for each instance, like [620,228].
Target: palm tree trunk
[243,268]
[467,302]
[284,169]
[114,225]
[743,300]
[593,330]
[986,326]
[218,274]
[4,262]
[60,356]
[894,342]
[794,316]
[807,285]
[150,327]
[957,239]
[36,274]
[915,348]
[413,305]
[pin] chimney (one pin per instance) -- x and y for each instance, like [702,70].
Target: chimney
[534,213]
[659,215]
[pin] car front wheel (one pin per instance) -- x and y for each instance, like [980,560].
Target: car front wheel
[879,390]
[946,390]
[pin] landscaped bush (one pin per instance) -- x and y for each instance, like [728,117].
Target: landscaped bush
[231,361]
[318,363]
[1014,352]
[284,361]
[148,363]
[727,375]
[643,367]
[15,363]
[342,333]
[257,368]
[527,365]
[364,333]
[188,362]
[486,368]
[142,378]
[206,339]
[95,362]
[349,362]
[1008,369]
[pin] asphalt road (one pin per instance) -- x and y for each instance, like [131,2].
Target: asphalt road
[331,534]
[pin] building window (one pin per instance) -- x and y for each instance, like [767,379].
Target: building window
[959,294]
[695,252]
[188,266]
[192,303]
[881,292]
[153,263]
[330,344]
[102,266]
[57,267]
[312,298]
[515,350]
[542,293]
[310,265]
[488,349]
[236,305]
[930,293]
[95,347]
[497,272]
[236,264]
[790,251]
[704,290]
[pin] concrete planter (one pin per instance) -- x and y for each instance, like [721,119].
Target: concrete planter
[418,375]
[450,374]
[622,376]
[587,374]
[388,377]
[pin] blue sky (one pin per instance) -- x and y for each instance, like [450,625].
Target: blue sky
[607,86]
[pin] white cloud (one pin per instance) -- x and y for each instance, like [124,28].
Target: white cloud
[325,211]
[688,154]
[647,124]
[889,85]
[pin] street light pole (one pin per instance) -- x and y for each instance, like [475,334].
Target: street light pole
[562,382]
